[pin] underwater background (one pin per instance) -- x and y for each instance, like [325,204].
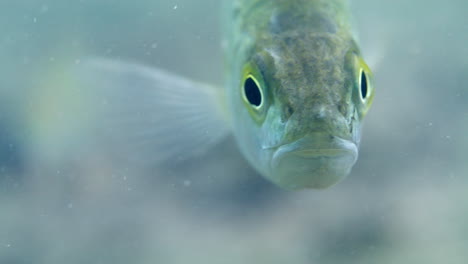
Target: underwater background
[67,196]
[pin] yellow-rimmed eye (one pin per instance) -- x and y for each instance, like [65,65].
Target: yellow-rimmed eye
[364,84]
[253,94]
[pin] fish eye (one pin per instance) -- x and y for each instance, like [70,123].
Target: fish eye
[252,92]
[363,84]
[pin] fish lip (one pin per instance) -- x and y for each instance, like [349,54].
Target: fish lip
[315,161]
[318,146]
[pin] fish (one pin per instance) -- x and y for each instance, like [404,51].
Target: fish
[295,94]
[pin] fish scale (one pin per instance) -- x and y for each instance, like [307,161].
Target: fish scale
[306,56]
[296,92]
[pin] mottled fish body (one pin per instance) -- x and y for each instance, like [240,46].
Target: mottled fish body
[314,86]
[296,92]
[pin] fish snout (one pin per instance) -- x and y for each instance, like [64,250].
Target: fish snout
[319,119]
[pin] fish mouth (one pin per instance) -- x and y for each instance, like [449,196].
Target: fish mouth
[315,161]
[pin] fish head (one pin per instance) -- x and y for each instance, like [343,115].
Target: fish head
[302,102]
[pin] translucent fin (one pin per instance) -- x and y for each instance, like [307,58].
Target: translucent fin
[150,115]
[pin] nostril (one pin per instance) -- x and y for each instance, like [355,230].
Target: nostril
[287,113]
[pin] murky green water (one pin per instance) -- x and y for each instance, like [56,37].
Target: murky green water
[67,197]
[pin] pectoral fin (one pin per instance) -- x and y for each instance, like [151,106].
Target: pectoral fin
[151,115]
